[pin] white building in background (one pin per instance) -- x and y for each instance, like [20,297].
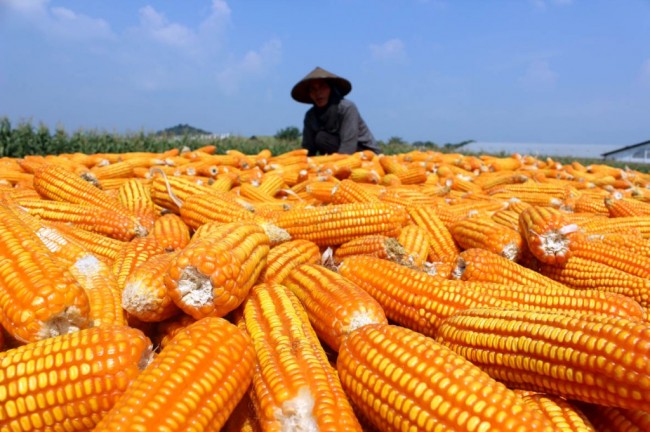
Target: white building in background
[639,153]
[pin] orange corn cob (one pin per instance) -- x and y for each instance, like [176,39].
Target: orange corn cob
[590,358]
[103,247]
[57,183]
[286,256]
[566,416]
[478,265]
[347,191]
[623,207]
[621,259]
[364,175]
[377,245]
[295,388]
[166,330]
[132,255]
[171,232]
[401,380]
[38,297]
[335,306]
[212,275]
[411,298]
[87,217]
[69,382]
[223,183]
[254,194]
[220,359]
[628,242]
[507,218]
[136,197]
[548,234]
[336,224]
[272,183]
[243,418]
[497,178]
[613,419]
[145,295]
[581,273]
[171,191]
[442,246]
[202,208]
[590,203]
[486,234]
[321,190]
[122,169]
[639,225]
[415,241]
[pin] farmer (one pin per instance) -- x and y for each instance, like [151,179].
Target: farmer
[332,124]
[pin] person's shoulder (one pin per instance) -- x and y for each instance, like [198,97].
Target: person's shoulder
[346,105]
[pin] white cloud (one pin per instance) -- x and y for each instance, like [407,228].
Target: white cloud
[391,50]
[156,26]
[543,4]
[27,7]
[539,75]
[253,64]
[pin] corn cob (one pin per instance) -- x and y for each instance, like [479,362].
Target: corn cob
[295,388]
[170,192]
[486,234]
[202,208]
[57,183]
[548,234]
[85,216]
[254,194]
[103,247]
[212,275]
[638,225]
[590,358]
[39,298]
[132,255]
[591,204]
[136,197]
[336,224]
[566,416]
[415,241]
[497,178]
[223,183]
[243,418]
[220,360]
[377,245]
[165,331]
[623,207]
[145,295]
[612,419]
[536,290]
[442,246]
[581,273]
[69,382]
[171,232]
[507,218]
[628,242]
[347,191]
[335,306]
[401,380]
[286,256]
[412,298]
[321,190]
[621,259]
[122,169]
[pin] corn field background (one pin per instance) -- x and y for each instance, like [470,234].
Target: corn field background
[26,139]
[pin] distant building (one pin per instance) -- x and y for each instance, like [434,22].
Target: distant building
[639,153]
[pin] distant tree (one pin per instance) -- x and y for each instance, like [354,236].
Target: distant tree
[450,146]
[290,133]
[395,140]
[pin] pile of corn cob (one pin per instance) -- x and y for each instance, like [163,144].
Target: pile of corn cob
[189,291]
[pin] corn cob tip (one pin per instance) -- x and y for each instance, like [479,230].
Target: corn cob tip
[136,298]
[276,234]
[195,288]
[70,320]
[296,413]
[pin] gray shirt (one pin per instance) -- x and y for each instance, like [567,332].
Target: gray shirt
[349,134]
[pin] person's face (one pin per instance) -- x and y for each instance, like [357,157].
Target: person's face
[319,92]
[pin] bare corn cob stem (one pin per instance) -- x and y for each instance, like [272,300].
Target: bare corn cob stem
[336,224]
[335,306]
[401,380]
[590,358]
[286,256]
[212,275]
[69,382]
[295,388]
[411,298]
[194,384]
[39,298]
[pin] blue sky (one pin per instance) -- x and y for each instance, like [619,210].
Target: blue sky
[543,71]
